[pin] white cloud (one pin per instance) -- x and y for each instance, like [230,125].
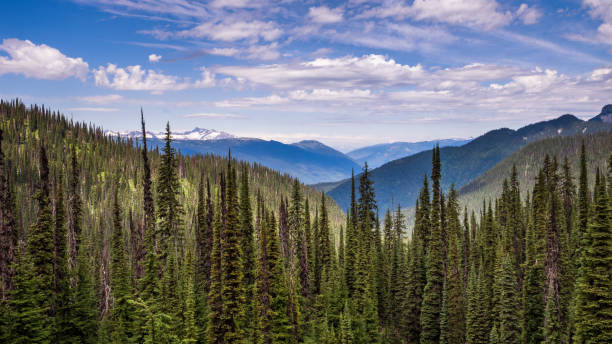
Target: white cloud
[325,15]
[134,78]
[213,115]
[228,30]
[177,8]
[92,109]
[602,10]
[344,72]
[484,14]
[154,58]
[39,61]
[223,51]
[104,99]
[263,52]
[236,4]
[528,15]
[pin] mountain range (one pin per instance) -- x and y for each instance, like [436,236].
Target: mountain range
[377,155]
[311,161]
[399,181]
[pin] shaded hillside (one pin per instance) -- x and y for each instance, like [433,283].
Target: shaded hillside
[309,161]
[530,159]
[399,181]
[380,154]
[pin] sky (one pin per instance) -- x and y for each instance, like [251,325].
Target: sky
[346,73]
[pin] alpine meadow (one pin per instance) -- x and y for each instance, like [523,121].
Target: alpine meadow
[316,172]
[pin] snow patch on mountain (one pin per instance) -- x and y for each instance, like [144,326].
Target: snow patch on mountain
[201,134]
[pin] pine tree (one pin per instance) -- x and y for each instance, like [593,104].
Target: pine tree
[28,317]
[533,285]
[351,241]
[121,312]
[61,300]
[509,320]
[169,210]
[594,284]
[8,230]
[189,315]
[455,298]
[41,242]
[215,330]
[83,312]
[248,256]
[231,264]
[432,294]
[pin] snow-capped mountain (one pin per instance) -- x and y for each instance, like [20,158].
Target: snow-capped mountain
[195,134]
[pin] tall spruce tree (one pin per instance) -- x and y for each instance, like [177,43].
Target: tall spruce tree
[231,263]
[432,294]
[8,229]
[121,312]
[594,285]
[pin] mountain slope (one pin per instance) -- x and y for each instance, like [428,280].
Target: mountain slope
[310,161]
[529,159]
[109,163]
[380,154]
[399,181]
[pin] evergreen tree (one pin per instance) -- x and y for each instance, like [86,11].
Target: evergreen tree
[594,284]
[190,333]
[8,230]
[231,263]
[61,300]
[83,314]
[509,320]
[41,242]
[215,330]
[28,319]
[121,312]
[432,294]
[169,210]
[248,256]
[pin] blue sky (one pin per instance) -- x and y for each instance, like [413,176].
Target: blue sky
[347,73]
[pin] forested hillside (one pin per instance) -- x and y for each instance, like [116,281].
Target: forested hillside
[397,181]
[530,159]
[103,242]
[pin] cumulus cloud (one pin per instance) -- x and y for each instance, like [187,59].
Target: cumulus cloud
[344,72]
[475,13]
[154,58]
[601,9]
[135,78]
[325,15]
[528,15]
[39,61]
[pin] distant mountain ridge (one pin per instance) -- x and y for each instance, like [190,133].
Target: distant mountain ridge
[379,154]
[194,134]
[399,181]
[310,161]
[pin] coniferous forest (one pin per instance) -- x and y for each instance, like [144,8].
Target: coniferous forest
[104,240]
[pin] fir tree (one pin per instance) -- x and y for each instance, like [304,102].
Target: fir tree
[8,230]
[509,320]
[121,312]
[432,294]
[28,319]
[61,301]
[248,256]
[215,329]
[231,264]
[594,284]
